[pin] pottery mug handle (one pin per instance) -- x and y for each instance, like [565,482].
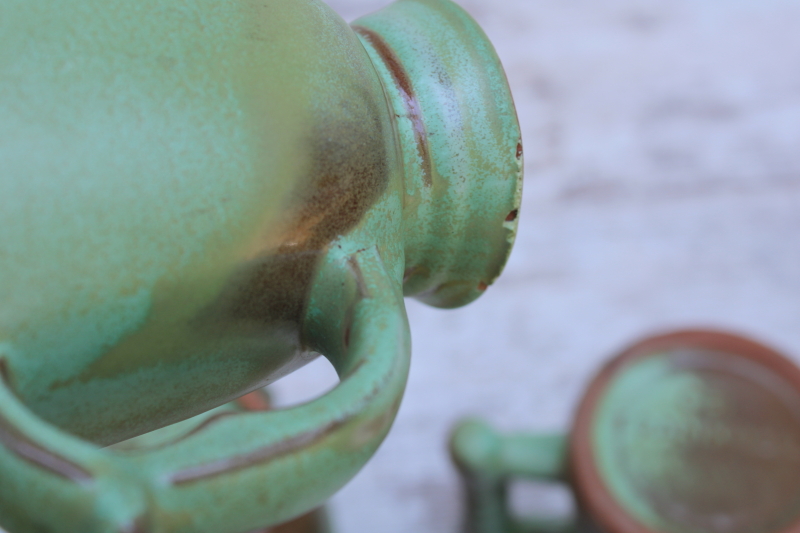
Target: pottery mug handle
[488,461]
[230,473]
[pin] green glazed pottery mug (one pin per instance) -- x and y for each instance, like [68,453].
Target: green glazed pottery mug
[688,432]
[198,197]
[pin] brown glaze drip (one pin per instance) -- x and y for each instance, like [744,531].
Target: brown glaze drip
[5,374]
[255,401]
[512,216]
[251,459]
[25,448]
[251,329]
[363,290]
[409,97]
[265,299]
[519,150]
[348,174]
[346,340]
[210,421]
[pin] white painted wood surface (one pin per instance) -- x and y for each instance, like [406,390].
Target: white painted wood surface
[662,190]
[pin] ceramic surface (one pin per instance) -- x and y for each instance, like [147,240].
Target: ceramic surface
[689,432]
[197,199]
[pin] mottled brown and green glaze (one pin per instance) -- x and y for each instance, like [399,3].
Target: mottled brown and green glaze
[694,431]
[196,198]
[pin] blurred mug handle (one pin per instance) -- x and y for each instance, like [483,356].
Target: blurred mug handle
[231,473]
[488,460]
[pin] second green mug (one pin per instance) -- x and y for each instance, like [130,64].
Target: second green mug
[689,432]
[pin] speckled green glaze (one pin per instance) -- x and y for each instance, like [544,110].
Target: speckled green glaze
[694,431]
[197,198]
[701,442]
[489,460]
[446,79]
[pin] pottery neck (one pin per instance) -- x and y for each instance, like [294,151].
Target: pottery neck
[460,143]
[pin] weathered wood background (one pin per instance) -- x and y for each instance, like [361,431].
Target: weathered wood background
[662,190]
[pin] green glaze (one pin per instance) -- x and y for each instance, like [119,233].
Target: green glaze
[198,197]
[698,441]
[691,432]
[164,201]
[488,460]
[634,393]
[448,81]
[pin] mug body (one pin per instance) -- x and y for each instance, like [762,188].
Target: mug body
[197,198]
[171,175]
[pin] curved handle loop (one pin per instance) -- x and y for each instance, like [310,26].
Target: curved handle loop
[487,460]
[235,473]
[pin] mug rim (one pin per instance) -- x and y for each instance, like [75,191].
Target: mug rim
[589,485]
